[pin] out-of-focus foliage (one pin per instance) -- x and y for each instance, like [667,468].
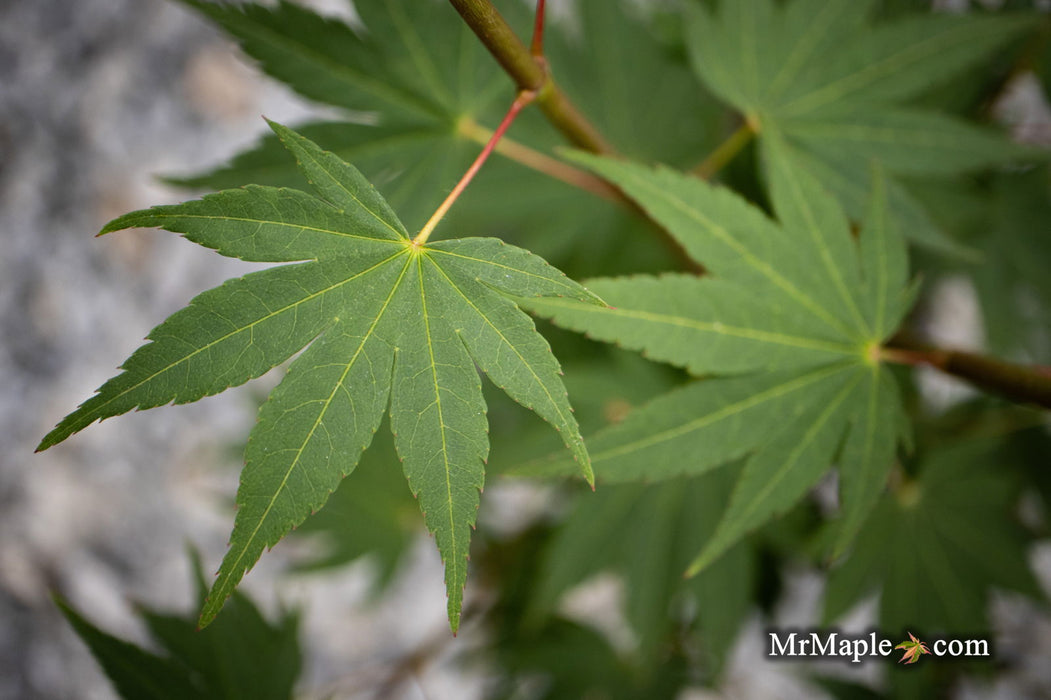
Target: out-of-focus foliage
[240,655]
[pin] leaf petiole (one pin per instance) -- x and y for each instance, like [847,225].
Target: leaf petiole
[524,98]
[541,162]
[727,150]
[537,48]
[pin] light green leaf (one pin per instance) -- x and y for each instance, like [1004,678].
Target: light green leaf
[816,74]
[797,308]
[383,320]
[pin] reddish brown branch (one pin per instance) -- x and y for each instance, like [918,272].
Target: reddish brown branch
[1022,383]
[530,72]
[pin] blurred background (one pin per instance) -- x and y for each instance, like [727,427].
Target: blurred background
[97,97]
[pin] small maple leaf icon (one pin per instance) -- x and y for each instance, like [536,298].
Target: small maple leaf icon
[913,650]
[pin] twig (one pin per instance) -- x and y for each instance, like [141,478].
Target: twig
[1022,383]
[530,72]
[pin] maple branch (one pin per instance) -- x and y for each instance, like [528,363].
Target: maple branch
[524,97]
[530,71]
[726,151]
[1022,383]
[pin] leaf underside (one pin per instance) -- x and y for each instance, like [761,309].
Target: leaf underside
[785,327]
[387,325]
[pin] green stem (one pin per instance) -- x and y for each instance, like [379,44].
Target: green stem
[1022,383]
[530,74]
[726,151]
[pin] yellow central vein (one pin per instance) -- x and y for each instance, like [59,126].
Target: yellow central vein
[568,285]
[803,48]
[879,228]
[797,452]
[441,418]
[715,327]
[399,232]
[421,57]
[871,423]
[301,227]
[833,270]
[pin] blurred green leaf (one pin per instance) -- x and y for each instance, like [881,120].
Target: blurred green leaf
[1013,285]
[648,535]
[240,655]
[819,73]
[430,109]
[938,544]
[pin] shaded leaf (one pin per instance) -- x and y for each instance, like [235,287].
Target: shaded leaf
[648,535]
[938,544]
[240,656]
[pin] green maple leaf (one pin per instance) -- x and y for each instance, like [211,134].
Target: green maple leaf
[833,85]
[913,648]
[788,324]
[938,544]
[385,321]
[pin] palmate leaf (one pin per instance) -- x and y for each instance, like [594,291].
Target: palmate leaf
[787,325]
[817,73]
[385,322]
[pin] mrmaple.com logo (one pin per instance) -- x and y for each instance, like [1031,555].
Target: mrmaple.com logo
[831,644]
